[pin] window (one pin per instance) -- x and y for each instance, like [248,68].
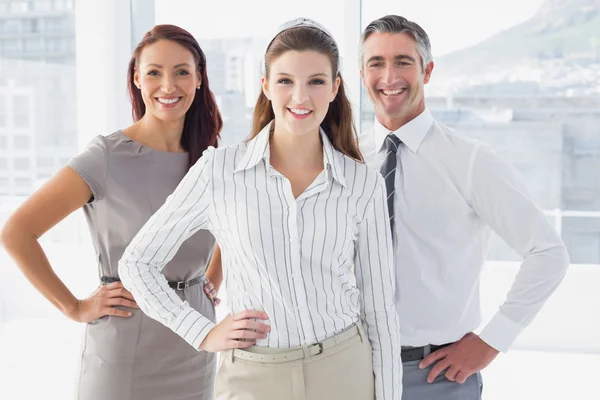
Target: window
[12,26]
[56,44]
[45,162]
[31,25]
[3,164]
[3,142]
[11,46]
[22,182]
[4,185]
[21,142]
[42,5]
[19,6]
[22,164]
[21,109]
[3,110]
[33,45]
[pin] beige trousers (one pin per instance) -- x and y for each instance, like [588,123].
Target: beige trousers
[343,370]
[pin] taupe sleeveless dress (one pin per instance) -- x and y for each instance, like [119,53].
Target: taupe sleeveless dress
[138,358]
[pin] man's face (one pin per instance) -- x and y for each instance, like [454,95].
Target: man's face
[392,74]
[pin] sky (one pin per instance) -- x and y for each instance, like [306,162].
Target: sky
[451,25]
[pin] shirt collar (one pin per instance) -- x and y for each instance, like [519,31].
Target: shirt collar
[258,149]
[411,134]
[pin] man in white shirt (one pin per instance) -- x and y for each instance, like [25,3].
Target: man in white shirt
[446,193]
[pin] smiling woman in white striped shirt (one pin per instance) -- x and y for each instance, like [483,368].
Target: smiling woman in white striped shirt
[305,238]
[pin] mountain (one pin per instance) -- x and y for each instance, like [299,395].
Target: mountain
[556,52]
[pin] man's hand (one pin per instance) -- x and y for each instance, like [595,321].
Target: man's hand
[460,360]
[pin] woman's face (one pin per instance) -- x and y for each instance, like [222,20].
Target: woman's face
[300,86]
[168,79]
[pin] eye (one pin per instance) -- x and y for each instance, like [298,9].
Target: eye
[376,65]
[284,81]
[404,63]
[152,73]
[317,82]
[182,72]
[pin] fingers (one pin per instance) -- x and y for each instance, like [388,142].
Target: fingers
[433,357]
[113,285]
[240,344]
[462,377]
[121,292]
[209,287]
[248,324]
[119,301]
[245,334]
[437,369]
[247,314]
[452,372]
[117,312]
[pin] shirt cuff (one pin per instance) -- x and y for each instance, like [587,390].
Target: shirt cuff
[192,326]
[500,332]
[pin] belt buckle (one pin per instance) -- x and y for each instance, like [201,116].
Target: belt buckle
[320,348]
[182,285]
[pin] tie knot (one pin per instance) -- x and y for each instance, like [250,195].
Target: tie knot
[392,142]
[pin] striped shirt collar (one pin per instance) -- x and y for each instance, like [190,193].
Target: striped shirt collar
[411,134]
[258,149]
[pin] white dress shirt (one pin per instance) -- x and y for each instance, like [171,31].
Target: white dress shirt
[315,264]
[451,192]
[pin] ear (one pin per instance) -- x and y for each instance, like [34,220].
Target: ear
[428,71]
[198,81]
[265,87]
[336,88]
[136,79]
[362,78]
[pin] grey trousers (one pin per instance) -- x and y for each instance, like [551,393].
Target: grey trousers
[416,387]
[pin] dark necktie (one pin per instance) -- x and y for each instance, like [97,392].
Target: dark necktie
[388,170]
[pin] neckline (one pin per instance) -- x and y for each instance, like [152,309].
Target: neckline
[128,139]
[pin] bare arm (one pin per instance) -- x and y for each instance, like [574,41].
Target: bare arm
[60,196]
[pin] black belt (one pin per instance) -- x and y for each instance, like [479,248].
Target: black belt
[418,353]
[175,285]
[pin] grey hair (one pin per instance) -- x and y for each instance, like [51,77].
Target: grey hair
[398,24]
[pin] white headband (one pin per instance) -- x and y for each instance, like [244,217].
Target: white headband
[295,23]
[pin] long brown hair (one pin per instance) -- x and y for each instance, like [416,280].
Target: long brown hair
[203,121]
[338,123]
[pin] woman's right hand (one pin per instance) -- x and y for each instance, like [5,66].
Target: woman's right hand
[236,331]
[102,302]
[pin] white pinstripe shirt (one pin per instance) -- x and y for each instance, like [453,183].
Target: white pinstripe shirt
[315,264]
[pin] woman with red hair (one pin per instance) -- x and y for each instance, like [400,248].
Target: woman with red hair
[120,180]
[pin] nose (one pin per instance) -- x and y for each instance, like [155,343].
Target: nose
[389,75]
[167,84]
[300,94]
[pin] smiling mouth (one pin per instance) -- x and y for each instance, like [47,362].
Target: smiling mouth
[168,100]
[301,112]
[394,92]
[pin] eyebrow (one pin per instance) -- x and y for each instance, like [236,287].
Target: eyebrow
[312,76]
[176,66]
[396,58]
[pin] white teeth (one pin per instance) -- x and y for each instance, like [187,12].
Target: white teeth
[299,111]
[391,92]
[168,101]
